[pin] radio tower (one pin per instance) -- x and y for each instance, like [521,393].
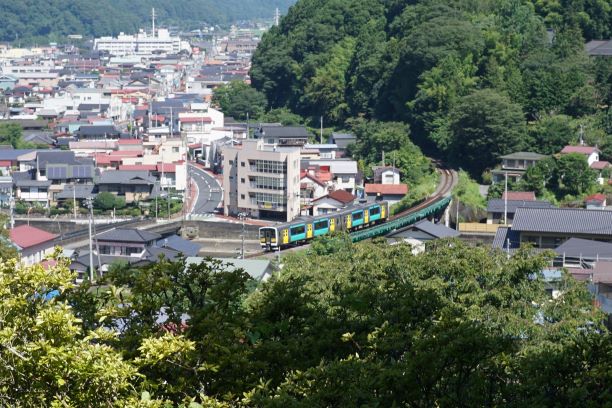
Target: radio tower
[153,21]
[277,17]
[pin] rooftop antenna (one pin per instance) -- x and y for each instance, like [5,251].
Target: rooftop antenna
[153,21]
[277,17]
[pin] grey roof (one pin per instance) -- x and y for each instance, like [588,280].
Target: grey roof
[27,123]
[152,254]
[585,248]
[599,47]
[502,236]
[563,220]
[337,166]
[128,235]
[79,191]
[179,244]
[497,205]
[39,137]
[523,156]
[435,230]
[32,183]
[255,268]
[97,130]
[13,154]
[126,177]
[298,132]
[56,157]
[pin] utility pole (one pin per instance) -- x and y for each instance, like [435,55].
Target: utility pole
[153,22]
[506,199]
[321,129]
[74,204]
[89,204]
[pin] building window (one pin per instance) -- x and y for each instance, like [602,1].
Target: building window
[241,164]
[242,196]
[270,166]
[231,162]
[242,180]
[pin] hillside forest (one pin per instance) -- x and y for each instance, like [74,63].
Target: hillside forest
[28,21]
[465,81]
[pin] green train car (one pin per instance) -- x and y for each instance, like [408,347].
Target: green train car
[304,229]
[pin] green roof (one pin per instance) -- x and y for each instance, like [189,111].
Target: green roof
[523,156]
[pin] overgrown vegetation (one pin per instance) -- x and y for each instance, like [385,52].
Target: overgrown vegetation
[343,325]
[28,21]
[472,81]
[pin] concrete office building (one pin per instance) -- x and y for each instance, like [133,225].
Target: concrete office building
[261,180]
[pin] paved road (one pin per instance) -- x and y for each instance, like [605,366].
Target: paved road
[209,195]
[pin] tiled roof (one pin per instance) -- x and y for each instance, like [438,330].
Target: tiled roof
[179,244]
[523,156]
[499,205]
[600,165]
[284,131]
[596,197]
[579,149]
[196,120]
[505,235]
[585,248]
[520,195]
[129,141]
[563,220]
[128,235]
[435,230]
[386,189]
[341,196]
[26,236]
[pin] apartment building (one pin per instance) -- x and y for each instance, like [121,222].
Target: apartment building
[261,180]
[141,44]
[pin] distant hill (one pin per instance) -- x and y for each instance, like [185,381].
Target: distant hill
[39,20]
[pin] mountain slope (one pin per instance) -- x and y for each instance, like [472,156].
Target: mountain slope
[50,19]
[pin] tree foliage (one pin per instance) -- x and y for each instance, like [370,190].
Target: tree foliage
[415,62]
[238,99]
[39,20]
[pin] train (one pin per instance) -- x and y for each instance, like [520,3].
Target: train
[303,229]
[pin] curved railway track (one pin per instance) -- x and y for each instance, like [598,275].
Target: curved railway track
[448,180]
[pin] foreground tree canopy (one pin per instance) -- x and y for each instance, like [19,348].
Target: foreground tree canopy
[422,62]
[342,325]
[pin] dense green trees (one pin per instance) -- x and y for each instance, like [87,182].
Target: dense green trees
[238,99]
[39,20]
[343,325]
[414,62]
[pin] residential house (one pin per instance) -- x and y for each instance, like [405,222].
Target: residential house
[343,140]
[519,196]
[33,244]
[602,168]
[423,231]
[134,186]
[345,173]
[548,228]
[591,153]
[125,241]
[319,151]
[334,201]
[386,175]
[97,132]
[393,193]
[515,165]
[7,82]
[497,207]
[283,135]
[599,48]
[595,202]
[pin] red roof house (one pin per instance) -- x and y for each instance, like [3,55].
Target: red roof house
[519,196]
[34,244]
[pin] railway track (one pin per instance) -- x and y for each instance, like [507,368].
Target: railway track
[448,179]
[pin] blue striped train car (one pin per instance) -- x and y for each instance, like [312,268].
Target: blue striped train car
[304,229]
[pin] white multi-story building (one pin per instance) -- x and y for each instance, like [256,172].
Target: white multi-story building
[141,44]
[261,180]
